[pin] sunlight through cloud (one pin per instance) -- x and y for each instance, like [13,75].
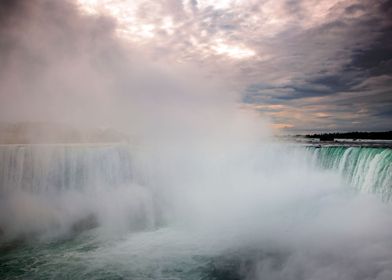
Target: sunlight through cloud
[233,51]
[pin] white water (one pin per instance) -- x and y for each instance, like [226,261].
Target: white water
[365,168]
[48,190]
[178,211]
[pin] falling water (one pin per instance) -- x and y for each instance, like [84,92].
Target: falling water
[366,168]
[194,212]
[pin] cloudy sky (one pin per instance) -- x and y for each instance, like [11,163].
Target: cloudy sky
[307,65]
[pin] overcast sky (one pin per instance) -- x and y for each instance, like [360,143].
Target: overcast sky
[308,65]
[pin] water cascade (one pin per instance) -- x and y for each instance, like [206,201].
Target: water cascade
[366,168]
[194,211]
[57,189]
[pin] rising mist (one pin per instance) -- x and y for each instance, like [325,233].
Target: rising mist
[196,171]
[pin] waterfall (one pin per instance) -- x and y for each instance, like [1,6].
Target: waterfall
[47,168]
[194,212]
[366,168]
[59,188]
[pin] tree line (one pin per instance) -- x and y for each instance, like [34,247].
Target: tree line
[386,135]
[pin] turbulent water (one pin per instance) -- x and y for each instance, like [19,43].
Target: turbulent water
[51,168]
[366,168]
[110,212]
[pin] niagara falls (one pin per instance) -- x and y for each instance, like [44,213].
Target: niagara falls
[200,140]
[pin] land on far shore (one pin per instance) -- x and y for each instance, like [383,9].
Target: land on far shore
[385,135]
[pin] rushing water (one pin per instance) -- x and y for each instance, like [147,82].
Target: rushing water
[110,212]
[47,168]
[366,168]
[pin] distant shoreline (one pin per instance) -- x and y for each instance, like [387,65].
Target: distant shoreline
[383,145]
[352,136]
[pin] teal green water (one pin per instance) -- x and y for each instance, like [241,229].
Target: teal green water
[365,168]
[292,236]
[161,254]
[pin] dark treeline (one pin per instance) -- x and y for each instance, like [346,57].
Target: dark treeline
[387,135]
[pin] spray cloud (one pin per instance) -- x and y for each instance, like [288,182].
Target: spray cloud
[199,164]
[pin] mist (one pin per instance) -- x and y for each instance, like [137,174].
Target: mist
[192,170]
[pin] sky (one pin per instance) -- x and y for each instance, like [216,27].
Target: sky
[306,65]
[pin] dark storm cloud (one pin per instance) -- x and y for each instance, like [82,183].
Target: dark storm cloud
[352,80]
